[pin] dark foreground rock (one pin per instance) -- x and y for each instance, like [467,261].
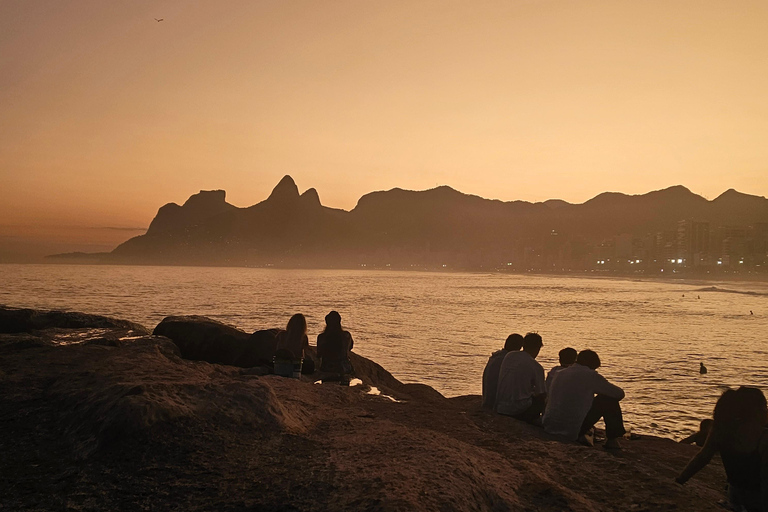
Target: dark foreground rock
[202,339]
[134,426]
[13,320]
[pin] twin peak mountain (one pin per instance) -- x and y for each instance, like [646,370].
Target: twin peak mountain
[402,228]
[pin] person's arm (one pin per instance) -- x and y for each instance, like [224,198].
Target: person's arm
[699,460]
[603,387]
[351,341]
[690,439]
[540,383]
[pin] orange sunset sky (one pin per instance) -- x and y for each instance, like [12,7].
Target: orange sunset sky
[106,114]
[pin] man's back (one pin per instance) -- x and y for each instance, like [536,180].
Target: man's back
[491,377]
[520,378]
[570,399]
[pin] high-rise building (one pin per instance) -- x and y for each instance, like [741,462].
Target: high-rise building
[693,243]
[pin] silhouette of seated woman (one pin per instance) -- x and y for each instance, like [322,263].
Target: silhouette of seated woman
[740,435]
[289,354]
[333,346]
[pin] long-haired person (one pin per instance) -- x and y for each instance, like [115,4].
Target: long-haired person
[740,434]
[291,343]
[333,346]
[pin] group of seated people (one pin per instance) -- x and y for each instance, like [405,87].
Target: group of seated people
[568,403]
[333,346]
[573,397]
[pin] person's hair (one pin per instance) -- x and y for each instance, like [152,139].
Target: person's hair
[297,327]
[532,341]
[333,322]
[706,425]
[737,407]
[567,356]
[514,342]
[588,358]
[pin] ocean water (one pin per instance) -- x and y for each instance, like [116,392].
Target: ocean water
[440,328]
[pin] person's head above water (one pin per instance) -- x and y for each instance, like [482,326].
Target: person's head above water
[588,358]
[567,356]
[514,342]
[532,343]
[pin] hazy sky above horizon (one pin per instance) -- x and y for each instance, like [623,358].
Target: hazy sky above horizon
[107,114]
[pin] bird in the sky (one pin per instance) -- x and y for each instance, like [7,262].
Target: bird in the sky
[158,20]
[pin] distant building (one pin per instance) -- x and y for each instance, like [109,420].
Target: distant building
[693,245]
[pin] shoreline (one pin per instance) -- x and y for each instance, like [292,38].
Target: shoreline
[739,277]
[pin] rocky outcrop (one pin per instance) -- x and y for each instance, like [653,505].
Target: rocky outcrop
[86,426]
[202,339]
[13,320]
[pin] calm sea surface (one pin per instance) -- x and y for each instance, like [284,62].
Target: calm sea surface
[440,328]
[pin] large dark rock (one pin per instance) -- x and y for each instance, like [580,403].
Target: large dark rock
[15,320]
[201,339]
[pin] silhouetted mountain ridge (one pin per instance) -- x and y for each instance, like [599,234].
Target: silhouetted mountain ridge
[402,226]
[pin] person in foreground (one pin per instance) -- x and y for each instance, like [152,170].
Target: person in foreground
[333,346]
[579,398]
[521,392]
[289,354]
[491,373]
[567,357]
[740,435]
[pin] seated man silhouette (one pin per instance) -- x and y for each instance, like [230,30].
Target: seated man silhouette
[491,373]
[567,357]
[521,392]
[579,398]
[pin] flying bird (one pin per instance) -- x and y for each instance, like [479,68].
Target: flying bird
[159,20]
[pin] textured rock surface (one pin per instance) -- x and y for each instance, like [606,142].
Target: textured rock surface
[89,425]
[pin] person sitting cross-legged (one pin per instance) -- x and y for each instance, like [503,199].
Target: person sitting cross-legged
[579,398]
[521,392]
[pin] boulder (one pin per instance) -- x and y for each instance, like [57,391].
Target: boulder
[16,320]
[202,339]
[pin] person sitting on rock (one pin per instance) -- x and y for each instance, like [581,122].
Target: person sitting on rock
[333,346]
[740,434]
[579,397]
[567,357]
[289,354]
[491,373]
[701,436]
[521,392]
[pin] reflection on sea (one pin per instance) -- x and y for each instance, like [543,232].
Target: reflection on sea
[440,328]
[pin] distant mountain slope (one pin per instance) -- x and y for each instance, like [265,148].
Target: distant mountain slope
[401,226]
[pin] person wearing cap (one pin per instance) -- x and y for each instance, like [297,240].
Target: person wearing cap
[333,346]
